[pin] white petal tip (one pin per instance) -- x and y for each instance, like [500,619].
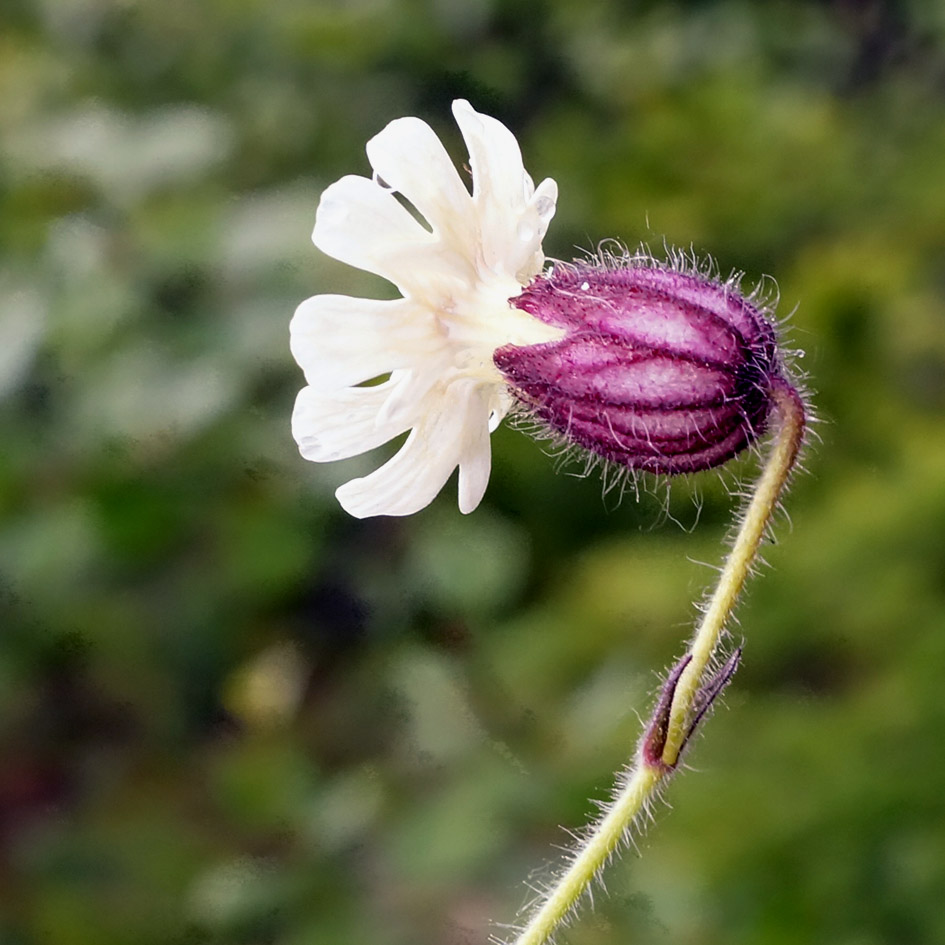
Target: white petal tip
[352,507]
[364,502]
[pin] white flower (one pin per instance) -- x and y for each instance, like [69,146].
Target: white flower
[456,276]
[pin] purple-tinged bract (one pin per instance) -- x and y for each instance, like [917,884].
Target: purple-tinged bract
[658,370]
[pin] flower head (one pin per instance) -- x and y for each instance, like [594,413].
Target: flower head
[456,275]
[645,365]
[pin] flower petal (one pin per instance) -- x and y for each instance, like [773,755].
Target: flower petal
[408,156]
[475,465]
[522,248]
[447,432]
[513,215]
[495,158]
[363,224]
[335,426]
[413,389]
[340,341]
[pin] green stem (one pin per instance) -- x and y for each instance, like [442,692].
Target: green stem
[737,567]
[637,789]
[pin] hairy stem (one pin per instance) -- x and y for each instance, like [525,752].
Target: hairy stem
[689,690]
[737,567]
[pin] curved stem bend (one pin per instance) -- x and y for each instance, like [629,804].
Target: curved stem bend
[689,689]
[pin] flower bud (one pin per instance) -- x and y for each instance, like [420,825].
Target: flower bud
[657,370]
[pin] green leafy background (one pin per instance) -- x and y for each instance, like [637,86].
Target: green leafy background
[231,714]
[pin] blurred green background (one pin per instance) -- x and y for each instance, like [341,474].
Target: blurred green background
[231,714]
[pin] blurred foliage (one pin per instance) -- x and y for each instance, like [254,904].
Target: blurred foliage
[228,713]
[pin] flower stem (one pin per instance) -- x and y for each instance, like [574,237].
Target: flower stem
[684,699]
[738,565]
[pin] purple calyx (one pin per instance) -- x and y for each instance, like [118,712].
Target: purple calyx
[658,370]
